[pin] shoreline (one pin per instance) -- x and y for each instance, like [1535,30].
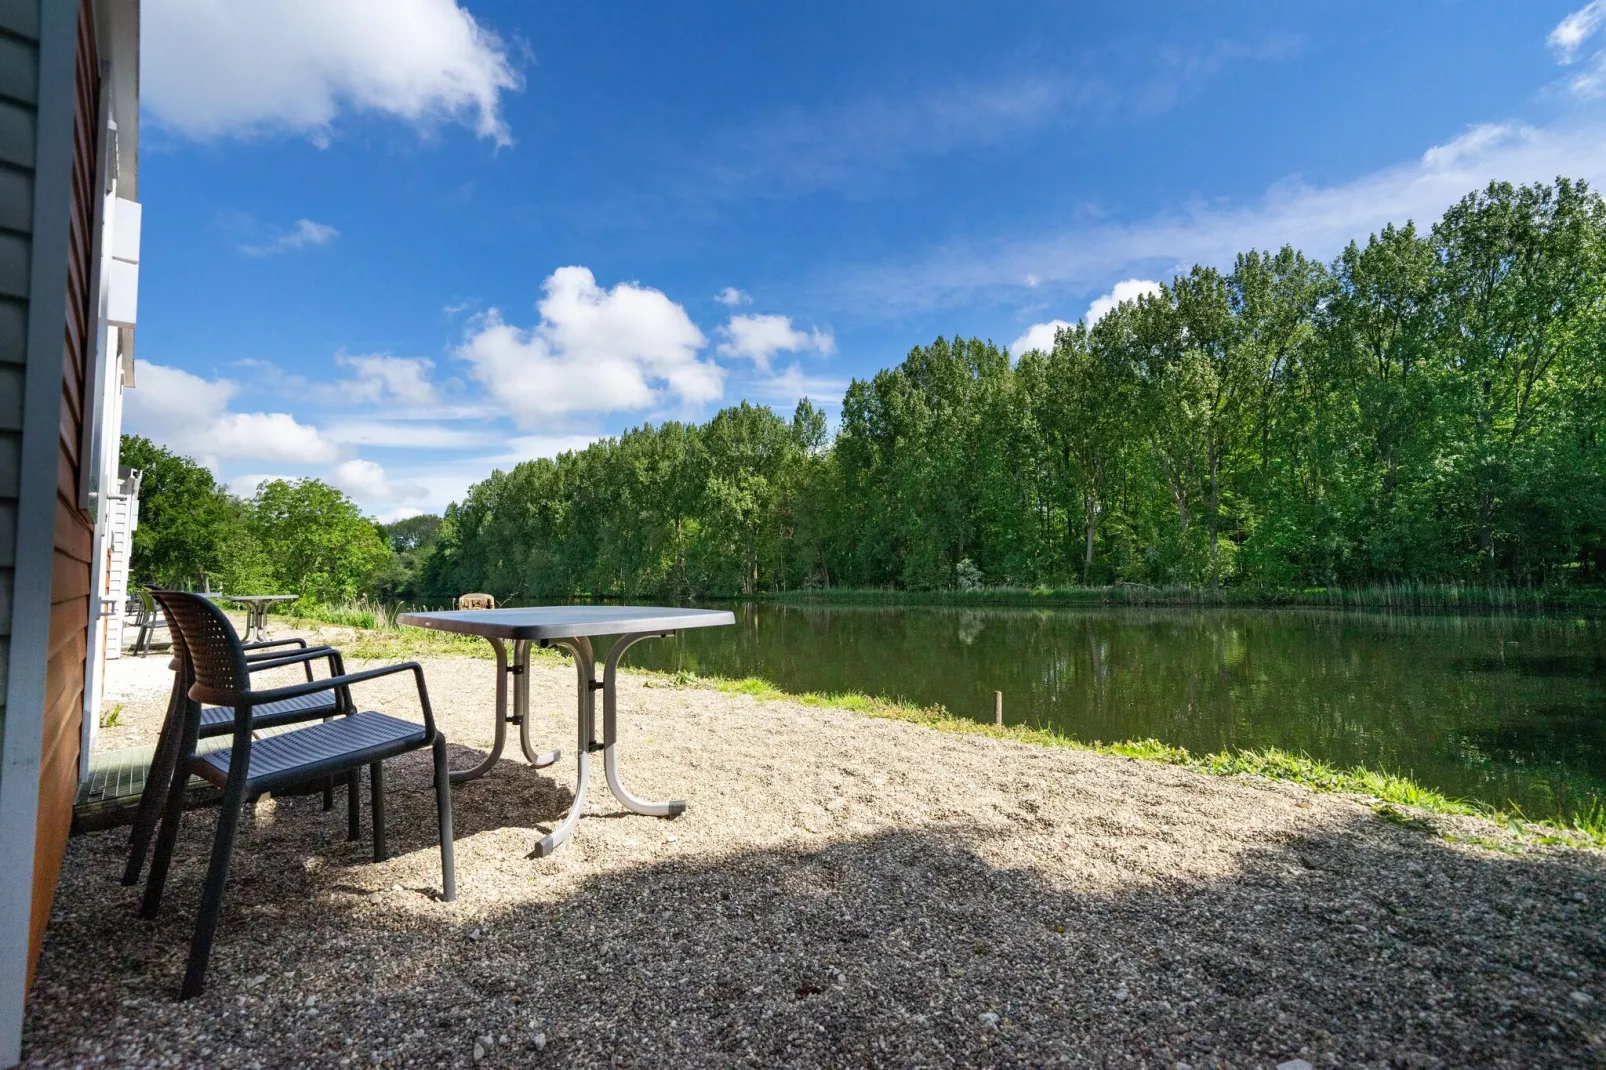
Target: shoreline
[1387,793]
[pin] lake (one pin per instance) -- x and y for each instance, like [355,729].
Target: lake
[1503,709]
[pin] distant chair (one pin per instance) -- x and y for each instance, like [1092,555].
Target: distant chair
[475,601]
[147,619]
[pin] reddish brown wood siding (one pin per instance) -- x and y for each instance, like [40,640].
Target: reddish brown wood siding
[74,539]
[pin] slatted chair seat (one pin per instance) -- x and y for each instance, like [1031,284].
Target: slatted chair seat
[307,753]
[219,720]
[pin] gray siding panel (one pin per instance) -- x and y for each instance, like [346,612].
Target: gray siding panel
[16,198]
[19,69]
[13,330]
[16,133]
[15,250]
[21,17]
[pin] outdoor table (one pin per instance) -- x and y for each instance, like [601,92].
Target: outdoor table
[571,628]
[256,612]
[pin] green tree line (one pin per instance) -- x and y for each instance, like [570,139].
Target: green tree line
[300,536]
[1427,406]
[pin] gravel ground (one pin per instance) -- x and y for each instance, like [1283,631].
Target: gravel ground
[842,891]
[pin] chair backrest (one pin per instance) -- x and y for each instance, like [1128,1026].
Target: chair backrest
[211,647]
[475,601]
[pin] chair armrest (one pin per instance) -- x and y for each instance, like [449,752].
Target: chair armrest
[273,660]
[263,644]
[345,680]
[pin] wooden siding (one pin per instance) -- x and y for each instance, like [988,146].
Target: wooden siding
[74,531]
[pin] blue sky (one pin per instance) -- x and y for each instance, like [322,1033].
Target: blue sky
[398,243]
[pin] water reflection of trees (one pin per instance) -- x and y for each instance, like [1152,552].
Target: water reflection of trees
[1496,707]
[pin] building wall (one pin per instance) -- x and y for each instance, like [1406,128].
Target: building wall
[70,589]
[19,86]
[38,69]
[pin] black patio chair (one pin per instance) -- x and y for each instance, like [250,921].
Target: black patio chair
[219,720]
[147,620]
[249,767]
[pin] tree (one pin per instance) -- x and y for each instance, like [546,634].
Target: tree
[316,540]
[185,521]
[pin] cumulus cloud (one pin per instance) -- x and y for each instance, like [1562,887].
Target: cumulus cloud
[1125,290]
[367,482]
[1037,336]
[303,234]
[759,338]
[385,379]
[593,351]
[732,297]
[191,415]
[218,68]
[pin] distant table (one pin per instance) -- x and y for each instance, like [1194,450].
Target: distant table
[256,612]
[571,628]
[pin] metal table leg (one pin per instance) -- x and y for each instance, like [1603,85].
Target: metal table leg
[610,735]
[460,775]
[585,667]
[521,709]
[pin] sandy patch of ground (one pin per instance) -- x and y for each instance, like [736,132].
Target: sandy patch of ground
[842,891]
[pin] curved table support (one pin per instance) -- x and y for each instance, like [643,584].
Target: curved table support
[610,734]
[521,709]
[458,776]
[521,713]
[585,667]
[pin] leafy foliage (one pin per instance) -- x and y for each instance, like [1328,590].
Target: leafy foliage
[1426,409]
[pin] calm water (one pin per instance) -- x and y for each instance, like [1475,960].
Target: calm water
[1503,709]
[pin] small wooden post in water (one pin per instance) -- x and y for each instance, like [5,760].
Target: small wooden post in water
[998,708]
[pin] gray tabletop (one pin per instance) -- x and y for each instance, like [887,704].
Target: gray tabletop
[255,597]
[566,622]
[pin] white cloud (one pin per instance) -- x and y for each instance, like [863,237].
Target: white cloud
[1319,220]
[759,338]
[382,379]
[367,482]
[1571,32]
[1037,336]
[594,351]
[1125,290]
[246,486]
[786,387]
[410,435]
[731,296]
[1569,36]
[215,68]
[305,233]
[190,414]
[531,447]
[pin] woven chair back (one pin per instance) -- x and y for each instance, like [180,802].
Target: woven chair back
[211,647]
[475,601]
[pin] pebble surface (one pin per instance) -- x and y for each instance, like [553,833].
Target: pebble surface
[841,892]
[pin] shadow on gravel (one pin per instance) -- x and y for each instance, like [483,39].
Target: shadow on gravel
[1359,944]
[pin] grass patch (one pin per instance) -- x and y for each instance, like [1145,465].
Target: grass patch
[1388,792]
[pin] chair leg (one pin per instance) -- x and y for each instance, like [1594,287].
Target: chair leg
[158,778]
[353,810]
[217,876]
[166,837]
[376,795]
[443,810]
[328,794]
